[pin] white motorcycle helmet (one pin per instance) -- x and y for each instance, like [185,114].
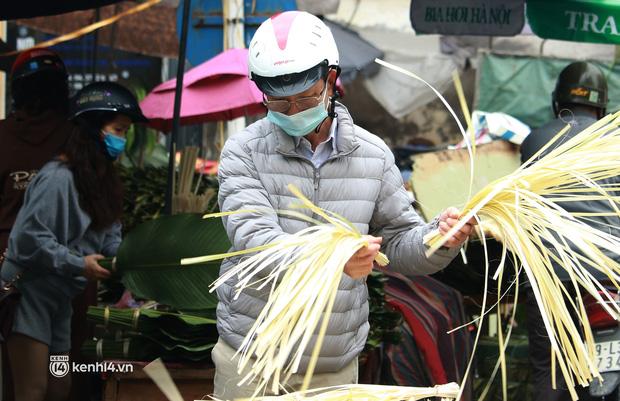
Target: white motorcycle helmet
[290,52]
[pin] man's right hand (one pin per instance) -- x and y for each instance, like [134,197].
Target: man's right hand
[361,263]
[93,270]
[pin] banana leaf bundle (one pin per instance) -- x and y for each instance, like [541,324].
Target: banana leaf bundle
[179,327]
[129,348]
[175,336]
[149,320]
[144,348]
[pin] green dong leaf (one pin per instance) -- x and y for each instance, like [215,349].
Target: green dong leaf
[149,260]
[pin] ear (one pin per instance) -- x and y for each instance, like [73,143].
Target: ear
[332,75]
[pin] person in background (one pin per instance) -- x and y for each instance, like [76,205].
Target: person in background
[308,139]
[579,99]
[70,220]
[35,130]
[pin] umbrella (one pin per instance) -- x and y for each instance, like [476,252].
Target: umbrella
[218,89]
[356,54]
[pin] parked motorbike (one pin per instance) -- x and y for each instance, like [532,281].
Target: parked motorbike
[606,332]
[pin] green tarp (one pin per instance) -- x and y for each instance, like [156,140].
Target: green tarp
[595,21]
[522,86]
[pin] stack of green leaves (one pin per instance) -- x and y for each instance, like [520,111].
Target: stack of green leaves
[152,333]
[132,348]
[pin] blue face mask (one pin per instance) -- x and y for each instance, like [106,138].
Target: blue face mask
[302,123]
[114,145]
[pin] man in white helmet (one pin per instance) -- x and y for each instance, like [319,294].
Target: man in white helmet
[309,140]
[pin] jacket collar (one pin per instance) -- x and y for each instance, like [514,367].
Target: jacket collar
[346,141]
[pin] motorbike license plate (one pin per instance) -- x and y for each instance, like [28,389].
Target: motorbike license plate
[608,356]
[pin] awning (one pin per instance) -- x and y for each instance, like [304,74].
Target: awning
[594,21]
[133,33]
[37,8]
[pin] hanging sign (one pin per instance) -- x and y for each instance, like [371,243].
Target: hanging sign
[576,20]
[468,17]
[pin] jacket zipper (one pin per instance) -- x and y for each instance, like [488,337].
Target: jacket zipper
[316,173]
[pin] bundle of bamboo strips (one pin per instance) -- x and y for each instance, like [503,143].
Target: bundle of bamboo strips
[524,211]
[303,272]
[370,392]
[353,392]
[184,199]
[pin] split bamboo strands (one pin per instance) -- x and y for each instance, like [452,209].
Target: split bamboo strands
[524,211]
[184,200]
[302,273]
[370,392]
[157,371]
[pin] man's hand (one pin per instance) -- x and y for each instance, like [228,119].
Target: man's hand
[448,219]
[361,263]
[92,270]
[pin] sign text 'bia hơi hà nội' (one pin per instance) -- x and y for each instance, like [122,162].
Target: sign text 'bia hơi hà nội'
[468,17]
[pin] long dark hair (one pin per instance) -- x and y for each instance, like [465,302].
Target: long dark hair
[97,182]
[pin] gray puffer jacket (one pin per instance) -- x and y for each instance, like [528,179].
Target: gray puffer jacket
[359,181]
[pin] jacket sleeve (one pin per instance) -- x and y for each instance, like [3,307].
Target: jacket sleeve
[241,188]
[112,240]
[403,229]
[44,217]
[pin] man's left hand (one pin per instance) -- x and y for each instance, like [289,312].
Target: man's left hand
[448,219]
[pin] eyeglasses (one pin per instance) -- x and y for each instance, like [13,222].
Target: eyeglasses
[303,103]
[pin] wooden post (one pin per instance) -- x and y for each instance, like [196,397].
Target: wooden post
[2,102]
[234,33]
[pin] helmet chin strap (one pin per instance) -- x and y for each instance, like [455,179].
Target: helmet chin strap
[332,103]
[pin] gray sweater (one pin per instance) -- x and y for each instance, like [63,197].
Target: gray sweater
[52,233]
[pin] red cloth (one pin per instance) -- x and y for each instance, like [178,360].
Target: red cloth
[424,341]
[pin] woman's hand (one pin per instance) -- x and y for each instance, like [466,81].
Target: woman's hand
[448,219]
[93,270]
[361,263]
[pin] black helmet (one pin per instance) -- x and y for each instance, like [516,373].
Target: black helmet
[107,96]
[581,83]
[36,60]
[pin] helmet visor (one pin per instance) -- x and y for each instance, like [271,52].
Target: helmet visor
[291,84]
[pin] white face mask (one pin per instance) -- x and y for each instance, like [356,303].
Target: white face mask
[302,123]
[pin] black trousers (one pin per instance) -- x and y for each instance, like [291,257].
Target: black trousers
[540,358]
